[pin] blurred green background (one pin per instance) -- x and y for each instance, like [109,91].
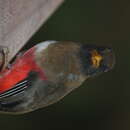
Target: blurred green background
[101,103]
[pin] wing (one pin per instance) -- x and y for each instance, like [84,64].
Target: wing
[21,86]
[17,89]
[14,99]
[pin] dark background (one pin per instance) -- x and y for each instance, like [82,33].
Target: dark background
[101,103]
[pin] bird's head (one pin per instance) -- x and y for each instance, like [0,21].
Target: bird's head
[96,59]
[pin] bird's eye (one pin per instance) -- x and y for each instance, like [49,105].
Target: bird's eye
[96,58]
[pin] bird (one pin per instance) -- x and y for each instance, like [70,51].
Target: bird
[48,71]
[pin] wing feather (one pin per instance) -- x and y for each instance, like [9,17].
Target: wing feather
[18,88]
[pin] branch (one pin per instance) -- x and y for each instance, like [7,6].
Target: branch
[20,19]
